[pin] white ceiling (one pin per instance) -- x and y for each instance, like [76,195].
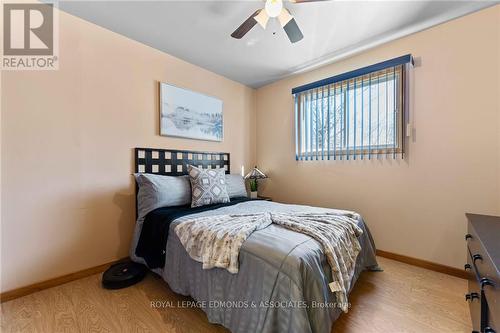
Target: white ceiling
[199,31]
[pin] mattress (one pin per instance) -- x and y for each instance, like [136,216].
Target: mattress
[282,283]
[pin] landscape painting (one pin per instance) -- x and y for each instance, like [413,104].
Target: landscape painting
[187,114]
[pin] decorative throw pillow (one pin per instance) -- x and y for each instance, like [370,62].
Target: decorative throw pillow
[235,185]
[208,186]
[157,191]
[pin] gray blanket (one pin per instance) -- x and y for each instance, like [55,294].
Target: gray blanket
[282,283]
[215,241]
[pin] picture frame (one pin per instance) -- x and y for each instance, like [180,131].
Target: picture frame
[191,115]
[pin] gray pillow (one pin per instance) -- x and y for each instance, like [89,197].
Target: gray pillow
[157,191]
[235,185]
[208,186]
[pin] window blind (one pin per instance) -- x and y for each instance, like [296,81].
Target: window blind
[356,115]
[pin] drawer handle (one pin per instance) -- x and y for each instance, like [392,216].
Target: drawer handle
[467,267]
[489,330]
[468,236]
[471,296]
[477,257]
[485,282]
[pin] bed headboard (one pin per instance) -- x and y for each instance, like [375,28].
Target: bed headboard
[171,162]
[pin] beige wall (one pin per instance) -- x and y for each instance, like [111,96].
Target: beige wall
[67,139]
[414,207]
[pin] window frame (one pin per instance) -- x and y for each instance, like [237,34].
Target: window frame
[309,148]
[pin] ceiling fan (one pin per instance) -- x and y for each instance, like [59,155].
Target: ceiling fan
[273,9]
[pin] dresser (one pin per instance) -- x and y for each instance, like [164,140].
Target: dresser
[483,263]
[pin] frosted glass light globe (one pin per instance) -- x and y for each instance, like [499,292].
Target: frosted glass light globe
[273,7]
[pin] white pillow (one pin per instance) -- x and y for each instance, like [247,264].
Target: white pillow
[235,185]
[157,191]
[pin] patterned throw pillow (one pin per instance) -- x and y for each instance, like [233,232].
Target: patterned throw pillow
[208,186]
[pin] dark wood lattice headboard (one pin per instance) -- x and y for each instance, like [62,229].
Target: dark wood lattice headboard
[170,162]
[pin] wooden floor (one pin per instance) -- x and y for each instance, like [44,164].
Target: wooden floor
[403,298]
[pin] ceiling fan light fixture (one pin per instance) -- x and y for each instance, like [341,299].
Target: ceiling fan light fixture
[284,17]
[274,7]
[262,18]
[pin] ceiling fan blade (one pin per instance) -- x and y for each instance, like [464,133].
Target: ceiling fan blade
[284,17]
[290,26]
[246,26]
[293,31]
[262,19]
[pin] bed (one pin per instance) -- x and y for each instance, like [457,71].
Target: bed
[282,283]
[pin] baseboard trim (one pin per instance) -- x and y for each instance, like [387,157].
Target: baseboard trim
[425,264]
[23,291]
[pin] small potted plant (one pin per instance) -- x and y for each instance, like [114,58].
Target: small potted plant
[253,188]
[253,176]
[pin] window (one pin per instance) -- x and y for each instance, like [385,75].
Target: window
[356,115]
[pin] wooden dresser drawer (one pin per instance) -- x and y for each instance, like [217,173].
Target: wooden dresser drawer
[492,294]
[492,326]
[474,305]
[479,255]
[483,247]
